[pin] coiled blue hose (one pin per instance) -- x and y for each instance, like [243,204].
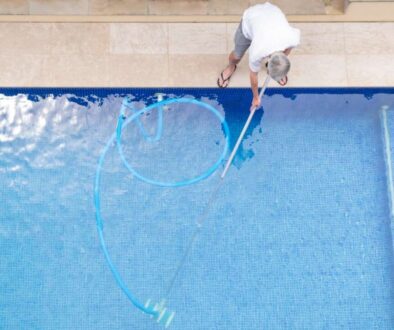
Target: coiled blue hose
[116,136]
[147,137]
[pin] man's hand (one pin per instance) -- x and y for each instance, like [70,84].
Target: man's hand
[255,103]
[254,83]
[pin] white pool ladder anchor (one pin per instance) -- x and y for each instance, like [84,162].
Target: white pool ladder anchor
[163,316]
[388,159]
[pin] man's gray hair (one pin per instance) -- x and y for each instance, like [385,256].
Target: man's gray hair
[278,66]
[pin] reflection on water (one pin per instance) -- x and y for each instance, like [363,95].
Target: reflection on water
[37,131]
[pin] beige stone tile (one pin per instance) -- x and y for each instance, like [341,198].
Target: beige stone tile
[320,39]
[335,7]
[54,38]
[371,70]
[195,70]
[197,38]
[378,11]
[369,38]
[25,70]
[178,7]
[59,7]
[297,7]
[26,38]
[118,7]
[137,70]
[227,7]
[139,38]
[76,54]
[77,70]
[318,70]
[14,7]
[369,0]
[230,32]
[79,38]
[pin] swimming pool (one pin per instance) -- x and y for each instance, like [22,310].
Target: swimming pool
[298,236]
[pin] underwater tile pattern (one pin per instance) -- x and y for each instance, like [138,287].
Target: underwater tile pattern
[296,237]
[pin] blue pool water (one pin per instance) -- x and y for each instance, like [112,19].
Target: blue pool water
[299,235]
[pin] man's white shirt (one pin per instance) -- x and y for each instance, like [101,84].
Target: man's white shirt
[269,30]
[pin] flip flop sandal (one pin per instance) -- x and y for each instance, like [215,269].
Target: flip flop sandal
[225,80]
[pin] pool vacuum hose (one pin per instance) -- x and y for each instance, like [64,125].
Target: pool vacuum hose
[159,311]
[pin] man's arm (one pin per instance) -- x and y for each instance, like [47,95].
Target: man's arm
[254,83]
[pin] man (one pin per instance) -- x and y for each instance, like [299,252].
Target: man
[265,29]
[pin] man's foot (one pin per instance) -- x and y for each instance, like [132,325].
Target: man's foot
[224,79]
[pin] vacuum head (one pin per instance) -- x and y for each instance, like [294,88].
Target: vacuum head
[163,316]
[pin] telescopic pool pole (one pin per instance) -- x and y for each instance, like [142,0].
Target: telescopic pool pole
[252,111]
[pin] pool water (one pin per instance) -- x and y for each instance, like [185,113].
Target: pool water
[298,236]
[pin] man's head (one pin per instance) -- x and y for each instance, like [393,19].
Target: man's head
[278,66]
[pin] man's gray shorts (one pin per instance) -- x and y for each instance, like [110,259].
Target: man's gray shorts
[241,42]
